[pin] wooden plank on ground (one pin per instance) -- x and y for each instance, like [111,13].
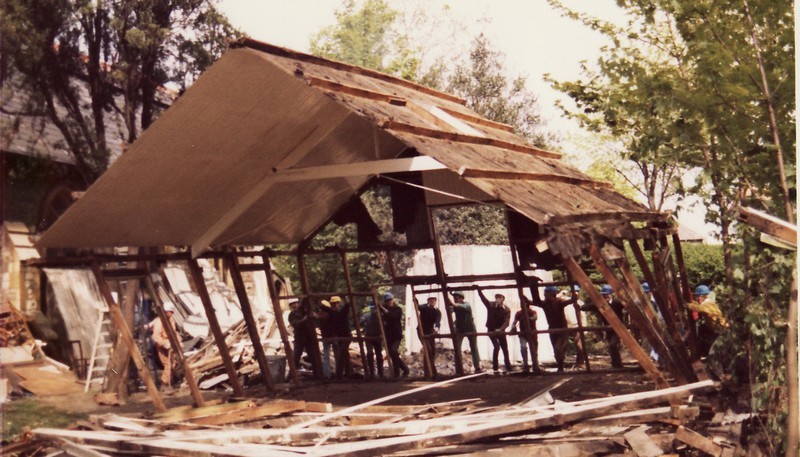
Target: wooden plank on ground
[641,444]
[698,441]
[272,408]
[184,415]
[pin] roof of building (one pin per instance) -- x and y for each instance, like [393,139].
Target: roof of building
[269,143]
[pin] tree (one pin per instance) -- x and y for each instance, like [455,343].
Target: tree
[710,86]
[115,55]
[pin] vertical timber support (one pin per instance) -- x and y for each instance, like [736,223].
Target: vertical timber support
[379,310]
[611,317]
[173,340]
[219,338]
[430,368]
[316,357]
[250,320]
[278,312]
[448,305]
[687,291]
[352,304]
[127,337]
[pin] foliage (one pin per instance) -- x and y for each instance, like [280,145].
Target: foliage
[482,82]
[709,86]
[115,56]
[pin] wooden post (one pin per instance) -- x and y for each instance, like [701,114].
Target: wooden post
[448,305]
[316,357]
[580,325]
[278,312]
[127,337]
[687,291]
[430,368]
[250,321]
[638,317]
[611,317]
[200,283]
[530,333]
[353,312]
[174,342]
[679,355]
[378,308]
[680,303]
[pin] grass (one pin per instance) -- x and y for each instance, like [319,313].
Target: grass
[19,414]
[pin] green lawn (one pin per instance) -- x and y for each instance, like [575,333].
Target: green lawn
[17,415]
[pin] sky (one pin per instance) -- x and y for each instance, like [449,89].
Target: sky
[534,38]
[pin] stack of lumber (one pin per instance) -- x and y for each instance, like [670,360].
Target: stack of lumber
[248,428]
[207,363]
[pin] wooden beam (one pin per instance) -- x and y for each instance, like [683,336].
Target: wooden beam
[344,67]
[353,313]
[611,317]
[348,170]
[250,322]
[278,312]
[769,224]
[443,119]
[127,337]
[333,86]
[698,441]
[200,284]
[396,126]
[525,176]
[478,120]
[174,342]
[630,216]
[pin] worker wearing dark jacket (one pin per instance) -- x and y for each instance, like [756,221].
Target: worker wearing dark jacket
[612,339]
[498,316]
[393,326]
[303,338]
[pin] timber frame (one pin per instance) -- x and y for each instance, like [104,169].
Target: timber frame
[274,145]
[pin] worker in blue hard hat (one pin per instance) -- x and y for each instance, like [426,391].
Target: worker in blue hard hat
[612,338]
[708,318]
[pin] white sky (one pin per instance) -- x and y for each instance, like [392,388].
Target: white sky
[535,40]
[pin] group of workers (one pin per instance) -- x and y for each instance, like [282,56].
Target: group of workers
[386,321]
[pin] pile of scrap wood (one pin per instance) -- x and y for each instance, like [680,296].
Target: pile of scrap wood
[207,364]
[23,365]
[279,427]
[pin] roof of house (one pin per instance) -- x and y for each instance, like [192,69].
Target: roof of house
[268,143]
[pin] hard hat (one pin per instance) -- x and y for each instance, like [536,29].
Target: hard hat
[388,296]
[458,293]
[168,306]
[336,299]
[551,289]
[325,303]
[606,290]
[646,287]
[702,289]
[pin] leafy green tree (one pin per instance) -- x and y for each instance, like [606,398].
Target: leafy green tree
[710,86]
[114,55]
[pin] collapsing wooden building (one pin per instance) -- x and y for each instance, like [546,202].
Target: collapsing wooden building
[271,145]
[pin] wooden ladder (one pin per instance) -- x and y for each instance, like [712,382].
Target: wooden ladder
[101,350]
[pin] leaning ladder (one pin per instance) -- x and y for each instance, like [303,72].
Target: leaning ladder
[101,349]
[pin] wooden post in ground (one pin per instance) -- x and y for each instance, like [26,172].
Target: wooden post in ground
[250,320]
[684,279]
[448,306]
[611,317]
[175,343]
[352,304]
[379,309]
[127,337]
[278,312]
[316,357]
[200,283]
[430,368]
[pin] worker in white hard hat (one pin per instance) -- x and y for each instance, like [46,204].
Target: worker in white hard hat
[163,347]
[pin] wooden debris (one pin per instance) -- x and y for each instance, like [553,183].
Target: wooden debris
[698,441]
[445,427]
[641,444]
